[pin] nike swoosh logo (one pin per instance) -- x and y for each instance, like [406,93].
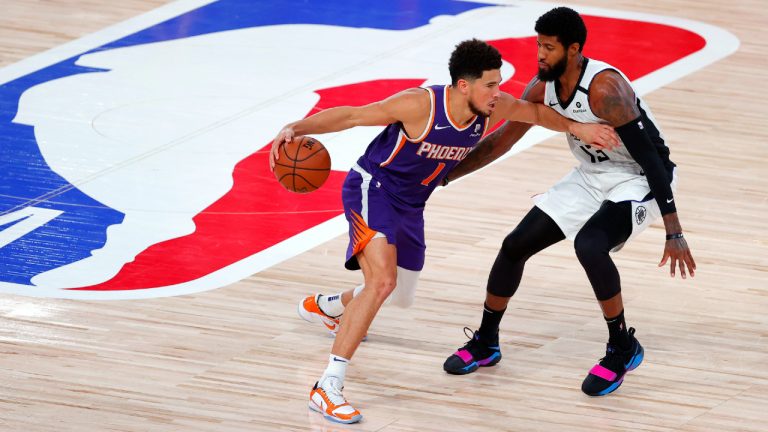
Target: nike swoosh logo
[438,127]
[670,200]
[338,360]
[552,104]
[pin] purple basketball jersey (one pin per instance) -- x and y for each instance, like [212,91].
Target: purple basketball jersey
[410,169]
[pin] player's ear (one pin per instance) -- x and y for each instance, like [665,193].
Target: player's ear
[573,49]
[462,85]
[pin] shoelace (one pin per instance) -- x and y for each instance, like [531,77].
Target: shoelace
[613,360]
[473,340]
[333,388]
[470,334]
[614,356]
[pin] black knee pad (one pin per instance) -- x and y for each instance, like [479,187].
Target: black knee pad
[512,247]
[501,290]
[592,249]
[588,248]
[508,268]
[534,233]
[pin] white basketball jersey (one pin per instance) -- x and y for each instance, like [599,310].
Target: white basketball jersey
[577,108]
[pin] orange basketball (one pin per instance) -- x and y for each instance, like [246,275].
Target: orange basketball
[303,166]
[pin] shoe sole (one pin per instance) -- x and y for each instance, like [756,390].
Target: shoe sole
[636,360]
[475,365]
[354,419]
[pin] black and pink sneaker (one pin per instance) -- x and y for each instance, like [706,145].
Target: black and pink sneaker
[473,354]
[607,376]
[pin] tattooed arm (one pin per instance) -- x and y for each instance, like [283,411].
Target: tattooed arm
[612,99]
[499,141]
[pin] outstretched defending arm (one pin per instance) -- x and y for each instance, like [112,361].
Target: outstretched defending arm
[612,99]
[521,115]
[598,135]
[498,142]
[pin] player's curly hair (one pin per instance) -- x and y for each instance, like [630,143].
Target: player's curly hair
[471,58]
[564,23]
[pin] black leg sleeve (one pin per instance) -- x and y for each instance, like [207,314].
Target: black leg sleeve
[534,233]
[606,229]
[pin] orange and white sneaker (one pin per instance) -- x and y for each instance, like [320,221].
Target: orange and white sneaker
[310,311]
[326,398]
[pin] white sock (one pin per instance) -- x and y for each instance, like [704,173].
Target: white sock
[337,367]
[331,305]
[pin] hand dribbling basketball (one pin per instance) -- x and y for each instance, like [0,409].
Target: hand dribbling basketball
[301,164]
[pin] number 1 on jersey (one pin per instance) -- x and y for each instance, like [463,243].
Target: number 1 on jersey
[434,174]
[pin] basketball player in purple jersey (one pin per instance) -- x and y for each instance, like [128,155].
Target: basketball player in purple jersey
[429,131]
[610,197]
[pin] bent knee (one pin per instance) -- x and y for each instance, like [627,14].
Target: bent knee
[513,249]
[383,287]
[588,248]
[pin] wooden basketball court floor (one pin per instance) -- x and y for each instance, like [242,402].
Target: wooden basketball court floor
[237,358]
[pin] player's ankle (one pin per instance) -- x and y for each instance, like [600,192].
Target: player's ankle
[331,305]
[337,367]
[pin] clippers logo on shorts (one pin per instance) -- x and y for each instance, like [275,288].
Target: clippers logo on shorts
[640,214]
[134,162]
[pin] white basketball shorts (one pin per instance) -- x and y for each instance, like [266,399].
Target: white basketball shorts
[578,196]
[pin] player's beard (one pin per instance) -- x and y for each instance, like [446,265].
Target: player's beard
[476,111]
[554,72]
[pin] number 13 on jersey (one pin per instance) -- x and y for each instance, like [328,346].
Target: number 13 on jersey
[600,157]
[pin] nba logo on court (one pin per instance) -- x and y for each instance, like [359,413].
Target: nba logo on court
[134,162]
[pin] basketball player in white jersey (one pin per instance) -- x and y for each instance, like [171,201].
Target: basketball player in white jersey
[602,203]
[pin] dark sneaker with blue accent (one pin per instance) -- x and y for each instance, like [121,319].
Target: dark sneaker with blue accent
[607,376]
[473,354]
